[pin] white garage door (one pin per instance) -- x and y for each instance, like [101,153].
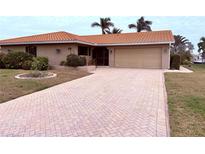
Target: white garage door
[138,58]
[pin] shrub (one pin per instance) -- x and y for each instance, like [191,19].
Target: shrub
[36,74]
[40,63]
[175,62]
[15,60]
[75,60]
[2,55]
[63,63]
[27,65]
[185,56]
[82,61]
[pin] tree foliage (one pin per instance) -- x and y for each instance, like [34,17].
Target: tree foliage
[201,46]
[104,24]
[141,25]
[182,47]
[114,31]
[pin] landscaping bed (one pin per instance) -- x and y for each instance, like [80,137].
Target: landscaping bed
[36,75]
[186,100]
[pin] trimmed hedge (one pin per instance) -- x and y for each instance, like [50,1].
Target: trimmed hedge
[15,60]
[2,55]
[40,63]
[75,60]
[175,61]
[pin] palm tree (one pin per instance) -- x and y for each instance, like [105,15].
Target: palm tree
[201,46]
[105,24]
[180,43]
[114,31]
[141,25]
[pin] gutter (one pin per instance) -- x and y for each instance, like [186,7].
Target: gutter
[85,43]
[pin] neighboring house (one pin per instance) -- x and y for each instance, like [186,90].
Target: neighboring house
[198,59]
[132,50]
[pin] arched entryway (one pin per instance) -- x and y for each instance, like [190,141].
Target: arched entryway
[101,56]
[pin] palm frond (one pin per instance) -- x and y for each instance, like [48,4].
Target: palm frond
[143,24]
[202,39]
[148,28]
[108,31]
[180,39]
[95,24]
[110,24]
[132,26]
[116,31]
[105,24]
[148,22]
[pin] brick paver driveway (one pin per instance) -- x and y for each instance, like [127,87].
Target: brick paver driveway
[111,102]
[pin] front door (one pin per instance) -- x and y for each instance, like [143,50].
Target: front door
[101,55]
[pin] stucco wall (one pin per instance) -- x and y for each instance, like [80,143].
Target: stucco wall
[111,56]
[6,49]
[48,51]
[165,57]
[55,57]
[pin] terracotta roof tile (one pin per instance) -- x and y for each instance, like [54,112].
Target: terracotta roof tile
[124,38]
[142,37]
[55,36]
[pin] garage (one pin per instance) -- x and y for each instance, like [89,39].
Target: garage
[138,57]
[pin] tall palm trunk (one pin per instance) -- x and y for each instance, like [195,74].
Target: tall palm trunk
[103,32]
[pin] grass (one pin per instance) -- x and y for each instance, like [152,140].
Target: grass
[186,99]
[11,88]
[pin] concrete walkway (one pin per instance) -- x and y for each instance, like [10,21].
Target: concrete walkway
[181,70]
[111,102]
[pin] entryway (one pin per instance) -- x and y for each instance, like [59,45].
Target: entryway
[101,56]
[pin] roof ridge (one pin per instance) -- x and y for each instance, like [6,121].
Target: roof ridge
[127,33]
[36,35]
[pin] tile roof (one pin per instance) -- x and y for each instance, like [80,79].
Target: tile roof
[154,37]
[138,38]
[55,36]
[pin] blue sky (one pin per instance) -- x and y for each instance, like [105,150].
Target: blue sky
[193,28]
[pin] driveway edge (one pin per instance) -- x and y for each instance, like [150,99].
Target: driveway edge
[166,108]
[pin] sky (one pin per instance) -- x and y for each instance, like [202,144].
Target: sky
[192,27]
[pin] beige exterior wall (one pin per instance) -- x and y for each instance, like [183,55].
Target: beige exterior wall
[55,57]
[111,56]
[6,49]
[165,54]
[48,51]
[166,57]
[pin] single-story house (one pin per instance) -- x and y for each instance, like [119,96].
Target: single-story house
[131,50]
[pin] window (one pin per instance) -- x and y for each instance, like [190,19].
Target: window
[82,50]
[31,50]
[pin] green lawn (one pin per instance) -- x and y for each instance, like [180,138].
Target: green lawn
[186,99]
[11,88]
